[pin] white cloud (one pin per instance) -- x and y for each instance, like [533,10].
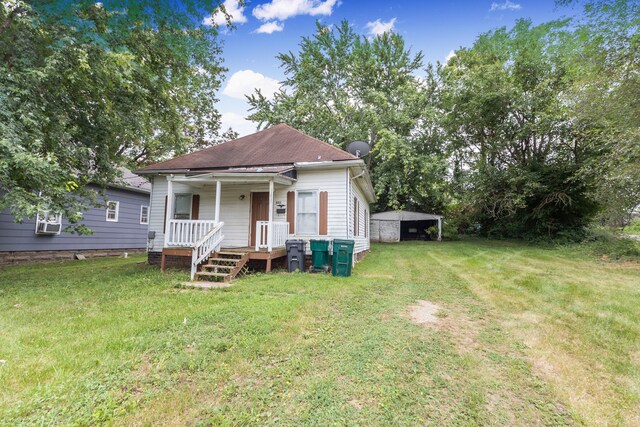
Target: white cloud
[283,9]
[270,27]
[450,55]
[378,27]
[238,123]
[233,8]
[245,82]
[507,5]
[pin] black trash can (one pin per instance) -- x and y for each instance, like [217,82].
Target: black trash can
[295,255]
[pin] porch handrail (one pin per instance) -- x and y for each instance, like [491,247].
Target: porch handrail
[203,247]
[186,232]
[271,234]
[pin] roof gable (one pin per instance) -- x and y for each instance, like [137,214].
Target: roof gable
[277,145]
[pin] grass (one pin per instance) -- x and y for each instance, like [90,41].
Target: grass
[525,336]
[633,228]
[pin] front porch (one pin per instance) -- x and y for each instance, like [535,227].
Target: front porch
[227,213]
[253,254]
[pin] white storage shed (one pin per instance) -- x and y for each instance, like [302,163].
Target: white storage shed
[395,226]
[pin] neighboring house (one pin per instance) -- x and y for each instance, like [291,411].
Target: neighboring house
[248,196]
[119,227]
[394,226]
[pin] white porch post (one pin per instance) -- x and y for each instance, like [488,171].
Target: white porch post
[167,226]
[439,229]
[270,225]
[218,189]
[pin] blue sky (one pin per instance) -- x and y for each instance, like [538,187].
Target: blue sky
[265,28]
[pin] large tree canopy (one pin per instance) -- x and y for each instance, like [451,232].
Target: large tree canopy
[537,126]
[342,87]
[518,154]
[605,96]
[544,122]
[87,86]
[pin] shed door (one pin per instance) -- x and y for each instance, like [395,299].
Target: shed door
[259,212]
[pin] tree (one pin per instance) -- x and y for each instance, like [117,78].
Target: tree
[605,60]
[87,86]
[518,154]
[342,87]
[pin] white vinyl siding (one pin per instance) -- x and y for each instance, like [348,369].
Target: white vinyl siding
[113,210]
[235,212]
[333,182]
[361,241]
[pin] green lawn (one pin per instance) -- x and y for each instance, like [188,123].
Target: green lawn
[525,336]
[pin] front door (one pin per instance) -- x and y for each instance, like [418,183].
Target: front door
[259,212]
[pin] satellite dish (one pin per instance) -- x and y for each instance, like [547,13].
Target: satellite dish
[358,148]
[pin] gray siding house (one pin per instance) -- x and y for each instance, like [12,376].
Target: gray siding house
[120,227]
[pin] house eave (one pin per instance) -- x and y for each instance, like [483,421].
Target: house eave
[129,188]
[333,164]
[235,177]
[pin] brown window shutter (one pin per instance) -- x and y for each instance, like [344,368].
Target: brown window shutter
[164,218]
[324,213]
[356,217]
[291,210]
[366,223]
[195,206]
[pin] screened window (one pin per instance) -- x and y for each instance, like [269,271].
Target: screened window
[144,214]
[113,209]
[307,213]
[182,209]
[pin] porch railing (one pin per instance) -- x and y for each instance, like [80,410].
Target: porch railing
[203,247]
[271,234]
[185,232]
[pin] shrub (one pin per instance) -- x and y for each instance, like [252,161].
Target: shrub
[633,228]
[604,242]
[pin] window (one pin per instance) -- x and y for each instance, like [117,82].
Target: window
[182,206]
[113,209]
[307,213]
[144,214]
[48,223]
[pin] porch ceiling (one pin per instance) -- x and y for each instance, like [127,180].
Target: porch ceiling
[236,177]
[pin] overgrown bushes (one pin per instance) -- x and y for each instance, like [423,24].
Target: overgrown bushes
[605,243]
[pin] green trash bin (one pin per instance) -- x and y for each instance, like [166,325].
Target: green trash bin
[342,257]
[319,255]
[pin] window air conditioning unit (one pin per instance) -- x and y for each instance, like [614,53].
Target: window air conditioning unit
[48,228]
[48,224]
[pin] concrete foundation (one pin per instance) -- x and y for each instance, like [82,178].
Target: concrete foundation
[9,258]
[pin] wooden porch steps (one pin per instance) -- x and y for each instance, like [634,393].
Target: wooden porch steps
[223,266]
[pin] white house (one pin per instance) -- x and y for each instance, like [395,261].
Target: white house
[243,199]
